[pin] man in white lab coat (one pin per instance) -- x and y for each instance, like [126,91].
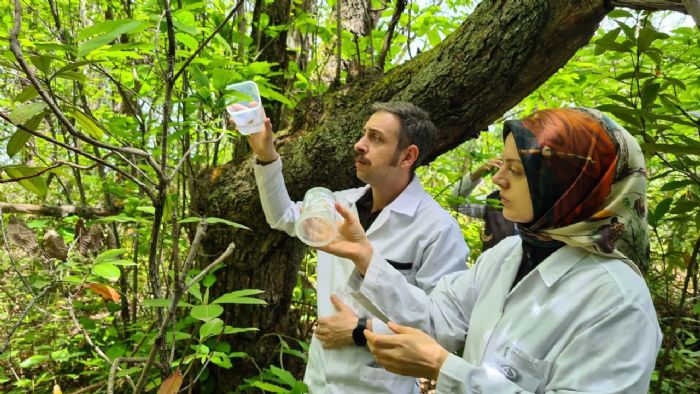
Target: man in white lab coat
[406,226]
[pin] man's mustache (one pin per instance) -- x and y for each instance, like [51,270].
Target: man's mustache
[361,158]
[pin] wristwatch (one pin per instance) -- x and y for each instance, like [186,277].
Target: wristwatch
[358,334]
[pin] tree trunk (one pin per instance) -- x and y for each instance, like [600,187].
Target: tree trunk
[502,52]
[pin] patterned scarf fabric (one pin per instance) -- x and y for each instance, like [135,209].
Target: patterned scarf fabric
[587,181]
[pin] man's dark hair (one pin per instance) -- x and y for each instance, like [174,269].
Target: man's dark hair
[415,127]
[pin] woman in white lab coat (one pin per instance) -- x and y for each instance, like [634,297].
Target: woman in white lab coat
[562,307]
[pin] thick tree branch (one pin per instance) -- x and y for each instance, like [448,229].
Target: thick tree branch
[57,211]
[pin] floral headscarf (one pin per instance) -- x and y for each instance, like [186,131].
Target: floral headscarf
[587,181]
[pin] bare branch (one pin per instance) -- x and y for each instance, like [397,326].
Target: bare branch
[400,7]
[21,318]
[206,40]
[57,211]
[9,254]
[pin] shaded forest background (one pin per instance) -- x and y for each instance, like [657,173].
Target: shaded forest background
[133,246]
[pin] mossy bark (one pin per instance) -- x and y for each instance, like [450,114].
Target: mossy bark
[501,53]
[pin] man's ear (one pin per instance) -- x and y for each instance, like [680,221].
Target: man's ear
[410,156]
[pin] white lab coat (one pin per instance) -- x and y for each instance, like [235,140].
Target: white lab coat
[577,323]
[413,230]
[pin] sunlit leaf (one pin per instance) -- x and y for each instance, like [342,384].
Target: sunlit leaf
[109,254]
[107,271]
[20,138]
[35,184]
[211,328]
[206,312]
[235,297]
[269,387]
[87,124]
[105,33]
[24,112]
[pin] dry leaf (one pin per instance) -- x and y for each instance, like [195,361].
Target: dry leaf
[106,292]
[54,246]
[172,384]
[22,236]
[57,389]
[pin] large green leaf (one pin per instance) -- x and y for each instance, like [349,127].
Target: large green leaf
[36,185]
[649,95]
[206,312]
[28,93]
[240,297]
[86,124]
[26,111]
[20,137]
[163,303]
[269,387]
[211,328]
[105,33]
[108,255]
[668,148]
[106,270]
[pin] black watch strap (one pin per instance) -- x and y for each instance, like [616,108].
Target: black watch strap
[358,334]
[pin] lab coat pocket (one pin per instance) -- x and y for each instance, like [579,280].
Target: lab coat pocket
[517,366]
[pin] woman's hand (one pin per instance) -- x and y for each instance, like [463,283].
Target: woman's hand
[351,241]
[410,352]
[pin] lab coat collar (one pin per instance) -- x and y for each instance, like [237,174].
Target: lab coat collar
[406,203]
[559,263]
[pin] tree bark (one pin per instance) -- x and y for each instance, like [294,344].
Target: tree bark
[501,53]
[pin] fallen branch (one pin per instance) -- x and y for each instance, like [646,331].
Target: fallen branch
[58,211]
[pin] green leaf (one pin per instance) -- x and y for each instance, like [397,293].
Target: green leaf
[188,40]
[42,62]
[163,303]
[86,124]
[619,13]
[606,45]
[668,148]
[106,270]
[107,32]
[150,210]
[662,209]
[224,221]
[269,387]
[649,95]
[108,255]
[206,312]
[73,66]
[283,375]
[27,111]
[675,185]
[72,75]
[26,94]
[236,330]
[34,360]
[628,115]
[20,138]
[221,359]
[191,219]
[211,328]
[240,297]
[36,185]
[682,207]
[696,308]
[647,35]
[179,336]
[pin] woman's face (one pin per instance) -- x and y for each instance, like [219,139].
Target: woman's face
[511,179]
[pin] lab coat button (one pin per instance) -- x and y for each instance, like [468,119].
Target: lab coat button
[511,373]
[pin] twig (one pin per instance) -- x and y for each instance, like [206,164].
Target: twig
[115,365]
[80,328]
[89,389]
[400,6]
[184,157]
[9,255]
[206,41]
[21,318]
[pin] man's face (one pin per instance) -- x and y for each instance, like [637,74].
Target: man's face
[376,153]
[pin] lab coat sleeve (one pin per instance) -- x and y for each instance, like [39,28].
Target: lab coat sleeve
[280,211]
[603,358]
[465,186]
[444,314]
[446,254]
